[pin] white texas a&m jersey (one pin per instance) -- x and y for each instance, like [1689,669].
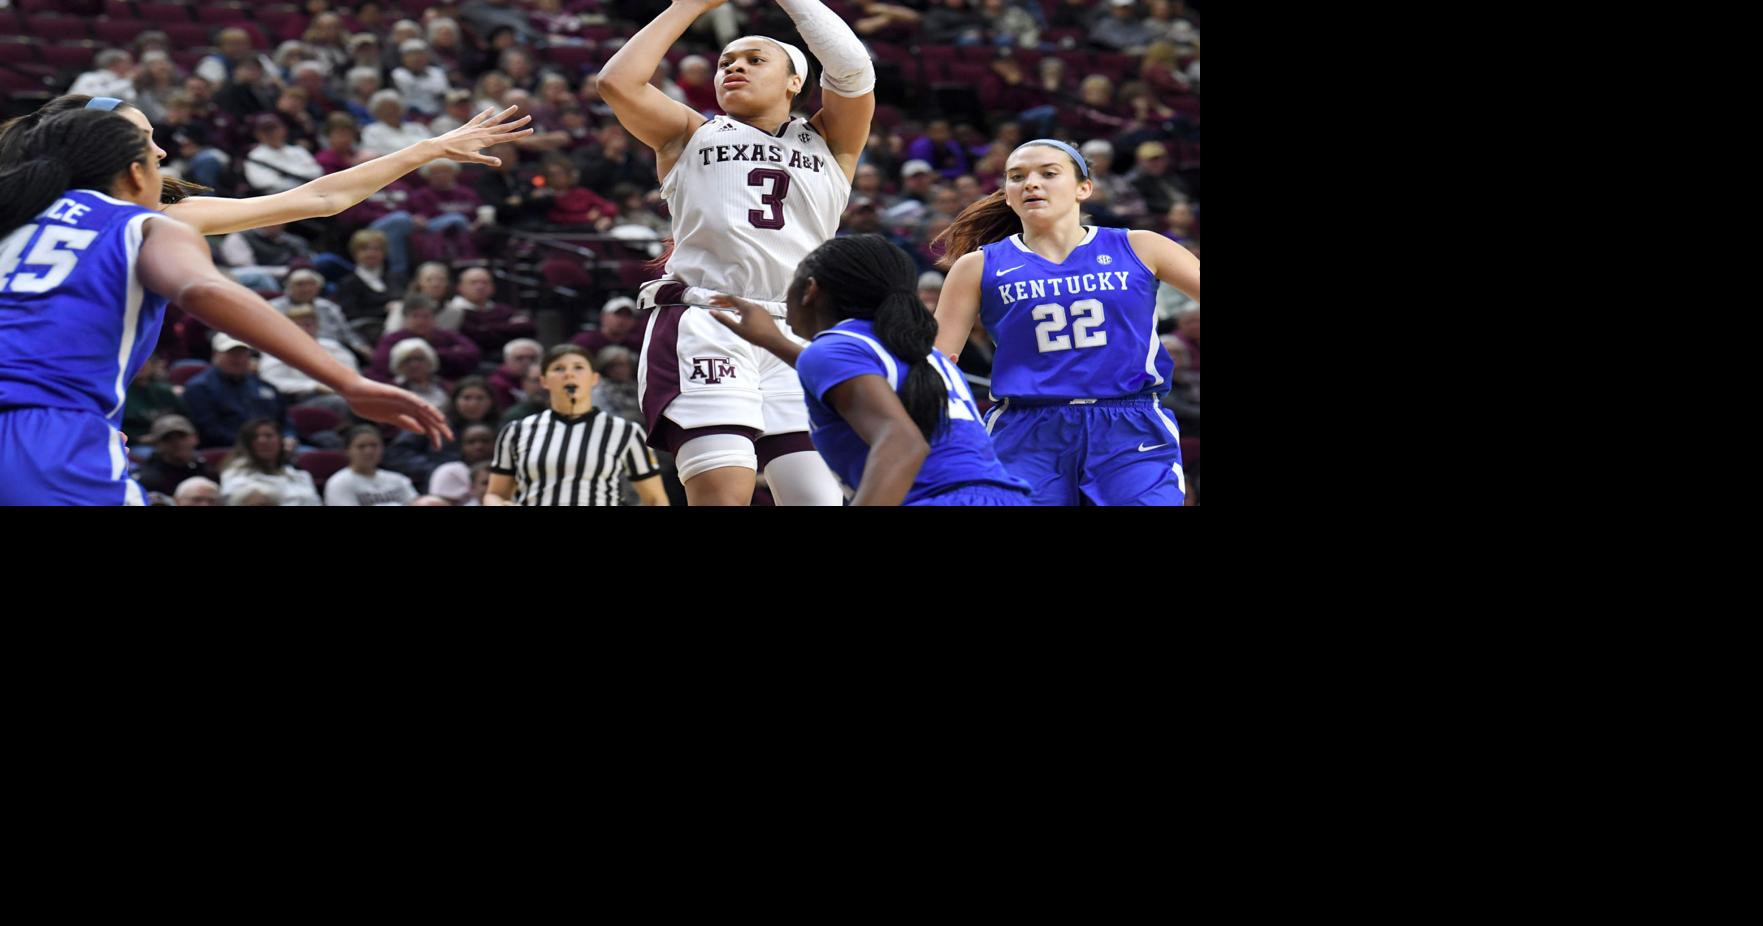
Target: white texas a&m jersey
[748,205]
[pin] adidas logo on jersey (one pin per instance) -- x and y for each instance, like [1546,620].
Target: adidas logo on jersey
[727,127]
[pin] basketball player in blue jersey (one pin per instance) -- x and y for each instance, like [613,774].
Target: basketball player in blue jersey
[1072,309]
[891,416]
[325,196]
[87,265]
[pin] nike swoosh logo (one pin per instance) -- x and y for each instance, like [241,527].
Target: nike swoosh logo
[1143,448]
[1012,269]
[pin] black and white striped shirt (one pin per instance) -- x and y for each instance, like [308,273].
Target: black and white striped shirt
[559,460]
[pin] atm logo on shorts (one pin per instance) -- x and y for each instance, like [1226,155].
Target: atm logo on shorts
[712,370]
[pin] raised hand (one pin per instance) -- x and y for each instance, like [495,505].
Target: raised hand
[485,130]
[380,402]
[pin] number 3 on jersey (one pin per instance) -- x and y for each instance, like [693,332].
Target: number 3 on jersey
[48,252]
[1086,317]
[780,187]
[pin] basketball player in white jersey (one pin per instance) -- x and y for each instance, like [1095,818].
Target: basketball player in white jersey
[751,192]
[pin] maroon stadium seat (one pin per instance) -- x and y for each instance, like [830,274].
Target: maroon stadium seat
[188,35]
[185,370]
[322,464]
[166,12]
[17,84]
[309,420]
[72,56]
[120,9]
[40,6]
[213,455]
[120,33]
[57,28]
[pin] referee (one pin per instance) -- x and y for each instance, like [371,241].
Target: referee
[571,453]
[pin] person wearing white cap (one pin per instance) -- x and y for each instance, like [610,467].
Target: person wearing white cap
[751,193]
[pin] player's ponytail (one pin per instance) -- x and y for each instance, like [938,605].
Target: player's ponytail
[991,219]
[869,278]
[13,131]
[84,149]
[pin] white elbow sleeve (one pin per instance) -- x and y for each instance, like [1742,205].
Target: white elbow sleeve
[844,63]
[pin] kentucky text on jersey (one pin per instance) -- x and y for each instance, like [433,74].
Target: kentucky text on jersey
[1079,283]
[770,154]
[1081,328]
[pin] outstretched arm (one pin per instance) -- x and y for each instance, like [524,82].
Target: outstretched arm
[174,263]
[331,194]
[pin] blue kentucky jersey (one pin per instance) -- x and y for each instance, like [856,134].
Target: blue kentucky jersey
[1082,329]
[75,324]
[962,451]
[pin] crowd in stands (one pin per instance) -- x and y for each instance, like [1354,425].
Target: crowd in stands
[255,98]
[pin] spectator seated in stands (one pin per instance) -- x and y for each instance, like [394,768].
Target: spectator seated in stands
[422,82]
[455,111]
[150,396]
[434,280]
[249,94]
[616,393]
[618,325]
[112,74]
[448,48]
[1123,29]
[1114,201]
[696,82]
[1151,177]
[518,356]
[487,323]
[277,165]
[364,82]
[536,401]
[470,404]
[614,161]
[234,47]
[939,148]
[413,362]
[262,463]
[342,136]
[389,131]
[174,459]
[1009,24]
[365,291]
[454,354]
[197,492]
[444,214]
[952,22]
[223,397]
[303,288]
[363,484]
[451,482]
[296,387]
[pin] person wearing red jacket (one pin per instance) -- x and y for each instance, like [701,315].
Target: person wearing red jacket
[458,354]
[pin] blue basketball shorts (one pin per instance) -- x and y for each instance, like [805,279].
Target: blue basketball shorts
[980,493]
[56,456]
[1095,452]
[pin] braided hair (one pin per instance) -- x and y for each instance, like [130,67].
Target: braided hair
[82,149]
[869,278]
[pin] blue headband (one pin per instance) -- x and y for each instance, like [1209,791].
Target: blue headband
[106,103]
[1082,165]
